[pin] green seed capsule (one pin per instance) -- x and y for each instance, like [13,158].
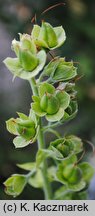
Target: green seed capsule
[51,36]
[27,133]
[68,171]
[26,123]
[43,33]
[44,102]
[63,149]
[53,105]
[27,44]
[76,176]
[28,61]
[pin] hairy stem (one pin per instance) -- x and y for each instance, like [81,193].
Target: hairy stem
[41,145]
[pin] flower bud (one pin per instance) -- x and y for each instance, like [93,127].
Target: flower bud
[28,61]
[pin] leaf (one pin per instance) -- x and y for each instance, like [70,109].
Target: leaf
[65,71]
[46,88]
[35,31]
[64,99]
[20,72]
[11,126]
[15,185]
[61,192]
[36,180]
[61,36]
[27,166]
[36,98]
[55,117]
[37,109]
[87,170]
[51,67]
[77,187]
[70,112]
[22,116]
[76,142]
[13,64]
[51,173]
[56,154]
[45,153]
[20,142]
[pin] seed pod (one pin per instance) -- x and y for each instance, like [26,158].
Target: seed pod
[67,172]
[27,44]
[44,102]
[43,33]
[25,132]
[53,105]
[29,133]
[26,123]
[48,35]
[51,36]
[28,61]
[76,176]
[63,149]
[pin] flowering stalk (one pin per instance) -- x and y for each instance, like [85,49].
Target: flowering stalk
[57,105]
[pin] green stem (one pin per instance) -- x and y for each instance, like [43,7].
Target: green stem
[53,131]
[51,126]
[41,145]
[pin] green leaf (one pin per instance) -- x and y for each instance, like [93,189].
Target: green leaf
[87,170]
[55,117]
[61,192]
[36,98]
[36,180]
[70,112]
[46,88]
[51,173]
[23,116]
[64,99]
[15,185]
[51,67]
[76,142]
[27,166]
[45,153]
[35,31]
[13,64]
[11,126]
[65,71]
[20,142]
[77,187]
[61,36]
[37,109]
[20,72]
